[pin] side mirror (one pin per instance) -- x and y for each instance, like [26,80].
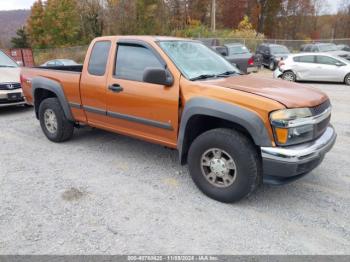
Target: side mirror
[339,64]
[158,76]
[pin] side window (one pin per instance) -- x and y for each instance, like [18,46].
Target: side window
[305,59]
[314,49]
[98,58]
[307,48]
[326,60]
[132,60]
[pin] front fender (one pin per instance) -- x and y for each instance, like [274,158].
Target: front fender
[226,111]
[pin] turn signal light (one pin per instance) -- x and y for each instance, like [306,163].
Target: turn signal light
[281,135]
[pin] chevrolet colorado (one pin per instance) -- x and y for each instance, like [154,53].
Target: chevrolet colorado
[234,131]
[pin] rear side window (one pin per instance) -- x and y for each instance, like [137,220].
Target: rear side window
[132,60]
[98,58]
[304,59]
[326,60]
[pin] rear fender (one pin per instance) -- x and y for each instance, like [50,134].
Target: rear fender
[42,83]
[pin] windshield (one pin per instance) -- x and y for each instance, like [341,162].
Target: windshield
[5,61]
[279,50]
[328,48]
[195,60]
[238,49]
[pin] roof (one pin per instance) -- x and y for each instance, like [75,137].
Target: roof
[149,38]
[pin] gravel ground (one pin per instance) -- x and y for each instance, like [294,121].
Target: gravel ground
[103,193]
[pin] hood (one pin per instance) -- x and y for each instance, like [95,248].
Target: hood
[9,75]
[291,95]
[340,53]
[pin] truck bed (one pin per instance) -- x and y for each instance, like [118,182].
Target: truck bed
[67,76]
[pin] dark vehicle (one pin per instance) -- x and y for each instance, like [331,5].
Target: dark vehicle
[272,54]
[343,47]
[325,48]
[241,56]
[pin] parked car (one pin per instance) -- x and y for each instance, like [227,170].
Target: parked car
[240,55]
[234,131]
[344,47]
[329,48]
[314,67]
[60,62]
[272,54]
[10,87]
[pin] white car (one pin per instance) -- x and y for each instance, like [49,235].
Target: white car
[10,87]
[314,67]
[60,62]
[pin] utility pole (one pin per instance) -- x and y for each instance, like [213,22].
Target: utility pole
[213,15]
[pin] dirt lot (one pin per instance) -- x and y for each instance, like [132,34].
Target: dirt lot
[102,193]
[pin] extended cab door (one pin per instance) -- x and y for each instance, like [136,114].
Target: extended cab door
[148,111]
[94,81]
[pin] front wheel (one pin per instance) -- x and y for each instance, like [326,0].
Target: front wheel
[224,165]
[53,121]
[272,65]
[347,79]
[289,76]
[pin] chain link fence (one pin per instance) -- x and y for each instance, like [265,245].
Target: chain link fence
[77,53]
[252,43]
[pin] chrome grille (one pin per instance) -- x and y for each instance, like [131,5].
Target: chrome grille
[320,108]
[321,127]
[10,86]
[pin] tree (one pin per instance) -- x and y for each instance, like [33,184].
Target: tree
[61,16]
[21,41]
[36,26]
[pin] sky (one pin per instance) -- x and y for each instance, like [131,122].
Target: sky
[26,4]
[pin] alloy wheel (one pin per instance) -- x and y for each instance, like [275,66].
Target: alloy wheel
[218,168]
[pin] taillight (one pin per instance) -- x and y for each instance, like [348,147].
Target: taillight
[251,61]
[280,64]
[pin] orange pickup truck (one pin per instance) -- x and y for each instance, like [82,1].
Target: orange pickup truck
[234,131]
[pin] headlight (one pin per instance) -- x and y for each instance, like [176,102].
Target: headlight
[288,126]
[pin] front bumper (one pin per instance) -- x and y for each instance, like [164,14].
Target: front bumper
[285,164]
[277,73]
[4,100]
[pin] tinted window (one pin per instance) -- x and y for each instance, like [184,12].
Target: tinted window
[327,60]
[314,49]
[305,59]
[238,49]
[99,58]
[132,61]
[307,48]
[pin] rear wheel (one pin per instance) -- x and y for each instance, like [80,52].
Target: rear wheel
[289,76]
[224,165]
[347,79]
[53,121]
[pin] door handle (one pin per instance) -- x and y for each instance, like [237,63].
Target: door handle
[115,88]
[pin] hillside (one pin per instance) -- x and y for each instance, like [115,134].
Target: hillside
[10,21]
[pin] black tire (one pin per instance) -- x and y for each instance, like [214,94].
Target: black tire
[247,162]
[289,76]
[64,129]
[272,65]
[347,79]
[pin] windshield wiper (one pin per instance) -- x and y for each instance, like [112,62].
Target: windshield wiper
[228,73]
[200,77]
[6,66]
